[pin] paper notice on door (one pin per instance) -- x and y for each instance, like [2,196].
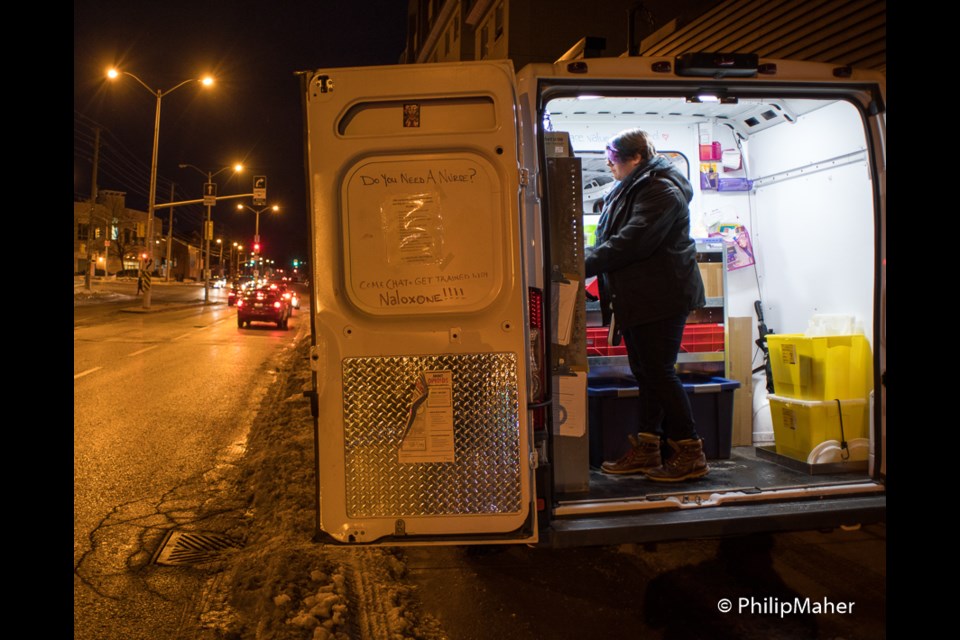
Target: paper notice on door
[428,435]
[570,404]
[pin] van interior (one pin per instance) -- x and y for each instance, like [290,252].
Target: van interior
[785,216]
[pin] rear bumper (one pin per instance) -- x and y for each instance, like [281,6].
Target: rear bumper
[256,314]
[715,522]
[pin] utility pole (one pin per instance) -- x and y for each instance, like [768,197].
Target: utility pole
[91,265]
[207,232]
[170,234]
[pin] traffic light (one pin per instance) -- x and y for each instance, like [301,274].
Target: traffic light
[256,247]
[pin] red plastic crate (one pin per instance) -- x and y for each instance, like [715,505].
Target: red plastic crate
[702,337]
[697,338]
[597,343]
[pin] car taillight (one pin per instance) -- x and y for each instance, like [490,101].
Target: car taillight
[538,375]
[239,303]
[276,305]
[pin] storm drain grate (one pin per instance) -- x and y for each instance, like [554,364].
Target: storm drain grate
[186,547]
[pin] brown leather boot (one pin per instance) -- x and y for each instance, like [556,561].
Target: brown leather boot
[644,454]
[687,462]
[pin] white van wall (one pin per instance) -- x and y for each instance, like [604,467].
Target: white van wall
[810,216]
[811,222]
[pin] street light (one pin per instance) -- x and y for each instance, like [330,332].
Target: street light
[220,257]
[205,81]
[234,263]
[207,232]
[256,233]
[239,261]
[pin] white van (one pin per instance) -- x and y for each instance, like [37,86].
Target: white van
[456,397]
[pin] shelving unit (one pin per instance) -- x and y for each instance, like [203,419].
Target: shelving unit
[709,251]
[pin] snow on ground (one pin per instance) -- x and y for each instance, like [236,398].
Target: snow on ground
[95,295]
[281,584]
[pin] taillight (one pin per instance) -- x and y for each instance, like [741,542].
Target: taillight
[276,305]
[538,374]
[239,303]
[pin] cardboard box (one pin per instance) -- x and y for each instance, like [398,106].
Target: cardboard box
[740,357]
[712,274]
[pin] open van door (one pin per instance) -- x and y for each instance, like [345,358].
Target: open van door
[794,151]
[419,322]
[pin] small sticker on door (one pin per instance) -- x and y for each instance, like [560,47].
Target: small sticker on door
[411,115]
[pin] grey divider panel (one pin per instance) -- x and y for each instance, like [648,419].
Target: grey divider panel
[571,454]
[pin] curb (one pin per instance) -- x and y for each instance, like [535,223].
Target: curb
[156,308]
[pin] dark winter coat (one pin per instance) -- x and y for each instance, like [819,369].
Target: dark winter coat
[644,256]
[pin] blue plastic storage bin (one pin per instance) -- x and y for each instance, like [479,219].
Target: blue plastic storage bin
[613,405]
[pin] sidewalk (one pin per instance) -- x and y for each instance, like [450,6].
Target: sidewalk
[95,295]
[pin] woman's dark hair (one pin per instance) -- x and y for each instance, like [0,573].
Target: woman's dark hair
[629,143]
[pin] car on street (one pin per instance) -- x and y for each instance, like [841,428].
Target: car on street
[283,286]
[263,305]
[233,295]
[595,187]
[239,286]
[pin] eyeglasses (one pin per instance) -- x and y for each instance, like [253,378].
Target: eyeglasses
[612,156]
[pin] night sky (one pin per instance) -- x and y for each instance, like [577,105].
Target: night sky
[252,115]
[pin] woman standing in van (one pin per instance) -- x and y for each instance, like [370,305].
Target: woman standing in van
[649,280]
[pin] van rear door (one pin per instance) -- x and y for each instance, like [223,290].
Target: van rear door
[417,306]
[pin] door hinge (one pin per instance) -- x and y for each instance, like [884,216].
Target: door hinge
[524,177]
[311,395]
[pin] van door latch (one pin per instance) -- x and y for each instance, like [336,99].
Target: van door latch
[324,83]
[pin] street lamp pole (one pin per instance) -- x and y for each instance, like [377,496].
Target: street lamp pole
[206,254]
[207,81]
[256,232]
[166,275]
[235,261]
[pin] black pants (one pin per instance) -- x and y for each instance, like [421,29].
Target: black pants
[652,352]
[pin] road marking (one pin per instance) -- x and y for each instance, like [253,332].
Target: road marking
[83,373]
[136,353]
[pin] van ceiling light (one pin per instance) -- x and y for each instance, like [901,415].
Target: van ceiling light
[706,97]
[588,97]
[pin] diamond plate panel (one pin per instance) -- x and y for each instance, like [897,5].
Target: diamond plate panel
[485,476]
